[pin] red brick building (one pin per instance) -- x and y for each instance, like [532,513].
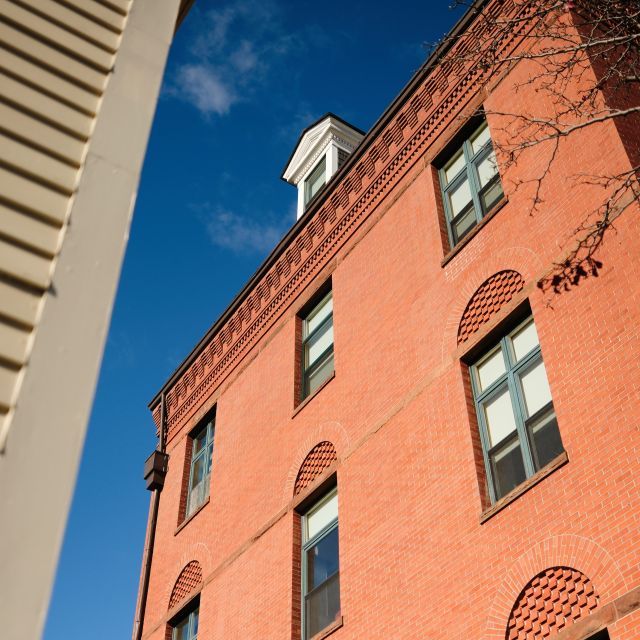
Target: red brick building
[393,431]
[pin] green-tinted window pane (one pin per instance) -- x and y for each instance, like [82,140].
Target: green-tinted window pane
[199,441]
[209,457]
[318,344]
[492,195]
[315,181]
[199,488]
[524,340]
[508,468]
[499,416]
[318,315]
[195,616]
[181,630]
[187,629]
[325,512]
[322,560]
[487,169]
[545,439]
[480,138]
[535,388]
[320,374]
[454,166]
[460,197]
[490,369]
[464,224]
[197,474]
[322,606]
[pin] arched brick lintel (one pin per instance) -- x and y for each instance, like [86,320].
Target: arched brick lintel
[521,259]
[332,432]
[188,581]
[580,553]
[488,300]
[198,553]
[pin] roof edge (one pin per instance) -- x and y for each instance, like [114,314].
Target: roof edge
[308,128]
[185,5]
[424,70]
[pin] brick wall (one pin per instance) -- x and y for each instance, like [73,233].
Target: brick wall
[416,558]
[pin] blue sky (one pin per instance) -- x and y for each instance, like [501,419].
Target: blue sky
[242,80]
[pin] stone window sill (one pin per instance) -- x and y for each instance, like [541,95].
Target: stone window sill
[327,631]
[308,399]
[474,232]
[505,501]
[185,522]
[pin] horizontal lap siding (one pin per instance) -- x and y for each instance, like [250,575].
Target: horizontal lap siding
[55,61]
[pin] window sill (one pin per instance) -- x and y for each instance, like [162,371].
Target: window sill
[185,522]
[474,232]
[308,399]
[514,494]
[327,631]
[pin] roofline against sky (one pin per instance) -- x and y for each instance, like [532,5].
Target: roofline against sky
[185,5]
[308,128]
[371,135]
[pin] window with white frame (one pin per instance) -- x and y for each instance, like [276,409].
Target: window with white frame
[518,426]
[320,566]
[317,345]
[200,468]
[470,183]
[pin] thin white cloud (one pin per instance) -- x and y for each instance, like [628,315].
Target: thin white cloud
[236,49]
[244,58]
[243,235]
[202,86]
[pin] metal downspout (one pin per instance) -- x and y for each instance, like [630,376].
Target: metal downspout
[155,470]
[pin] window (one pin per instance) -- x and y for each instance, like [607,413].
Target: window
[200,471]
[320,566]
[470,183]
[315,181]
[518,426]
[186,626]
[317,345]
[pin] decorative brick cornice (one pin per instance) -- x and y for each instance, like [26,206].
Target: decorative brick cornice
[384,160]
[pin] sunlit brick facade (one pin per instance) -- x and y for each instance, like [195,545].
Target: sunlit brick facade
[459,516]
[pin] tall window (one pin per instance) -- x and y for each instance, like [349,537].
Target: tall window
[200,472]
[186,627]
[320,566]
[470,183]
[317,345]
[315,181]
[518,425]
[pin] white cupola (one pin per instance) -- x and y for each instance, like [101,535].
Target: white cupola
[321,150]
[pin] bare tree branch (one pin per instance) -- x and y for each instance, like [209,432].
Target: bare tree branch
[583,60]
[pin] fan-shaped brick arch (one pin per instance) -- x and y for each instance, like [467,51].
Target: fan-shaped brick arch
[488,299]
[190,577]
[555,598]
[321,457]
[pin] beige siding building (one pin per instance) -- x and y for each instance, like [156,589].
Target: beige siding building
[79,81]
